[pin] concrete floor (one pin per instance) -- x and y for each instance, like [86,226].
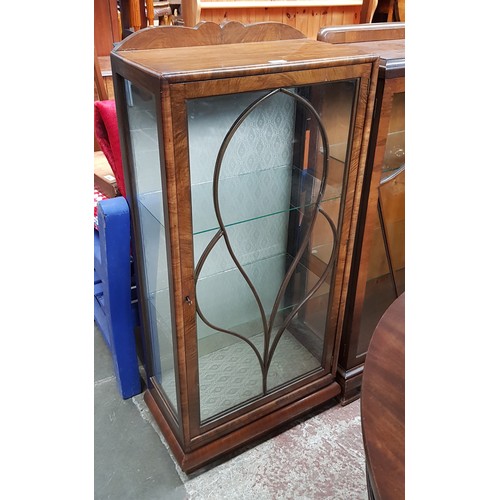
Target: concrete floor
[318,457]
[130,461]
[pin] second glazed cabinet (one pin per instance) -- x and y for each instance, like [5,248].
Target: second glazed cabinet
[244,150]
[378,268]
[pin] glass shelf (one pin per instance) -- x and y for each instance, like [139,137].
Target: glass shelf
[272,185]
[225,361]
[227,301]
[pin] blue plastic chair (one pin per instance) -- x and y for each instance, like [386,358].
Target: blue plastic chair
[115,306]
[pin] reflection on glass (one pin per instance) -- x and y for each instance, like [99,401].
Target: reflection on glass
[394,156]
[263,249]
[141,111]
[386,267]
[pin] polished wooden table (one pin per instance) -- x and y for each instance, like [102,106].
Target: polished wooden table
[383,406]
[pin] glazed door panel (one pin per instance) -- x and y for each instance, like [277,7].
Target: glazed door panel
[260,187]
[383,256]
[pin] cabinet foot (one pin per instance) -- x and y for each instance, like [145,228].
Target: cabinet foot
[350,384]
[193,460]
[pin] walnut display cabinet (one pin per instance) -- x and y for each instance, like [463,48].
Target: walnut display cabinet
[378,268]
[244,150]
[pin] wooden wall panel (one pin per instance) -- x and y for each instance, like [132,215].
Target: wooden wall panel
[106,26]
[351,15]
[306,19]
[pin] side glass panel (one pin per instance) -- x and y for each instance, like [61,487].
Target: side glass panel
[265,215]
[386,268]
[141,111]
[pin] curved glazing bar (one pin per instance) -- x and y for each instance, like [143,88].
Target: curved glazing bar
[383,229]
[198,269]
[392,175]
[314,289]
[222,234]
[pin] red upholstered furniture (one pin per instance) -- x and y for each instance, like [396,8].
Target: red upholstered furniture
[106,131]
[115,304]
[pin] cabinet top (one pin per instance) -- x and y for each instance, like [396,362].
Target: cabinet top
[387,40]
[241,59]
[216,59]
[386,49]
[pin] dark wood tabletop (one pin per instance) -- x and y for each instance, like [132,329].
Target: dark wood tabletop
[383,406]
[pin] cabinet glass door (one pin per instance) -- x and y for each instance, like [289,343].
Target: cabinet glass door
[148,197]
[386,268]
[267,179]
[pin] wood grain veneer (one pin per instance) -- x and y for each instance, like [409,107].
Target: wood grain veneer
[232,59]
[383,405]
[193,460]
[387,41]
[241,59]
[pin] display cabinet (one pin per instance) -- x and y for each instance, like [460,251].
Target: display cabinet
[378,269]
[244,150]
